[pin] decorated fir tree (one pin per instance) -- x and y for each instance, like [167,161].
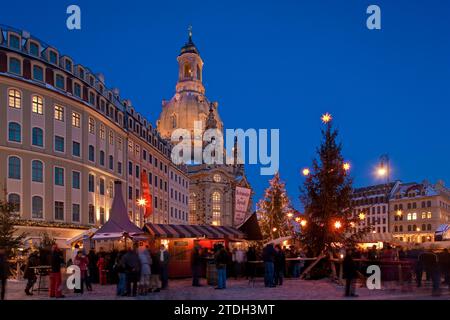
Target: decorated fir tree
[273,211]
[8,240]
[326,196]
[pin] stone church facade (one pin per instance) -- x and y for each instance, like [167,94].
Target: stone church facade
[212,186]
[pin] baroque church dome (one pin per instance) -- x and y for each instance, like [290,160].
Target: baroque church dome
[189,103]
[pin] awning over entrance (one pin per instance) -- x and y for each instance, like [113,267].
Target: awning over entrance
[192,231]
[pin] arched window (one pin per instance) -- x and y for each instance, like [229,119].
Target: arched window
[102,158]
[429,227]
[199,73]
[216,208]
[37,169]
[14,133]
[15,99]
[37,207]
[424,227]
[187,71]
[38,137]
[14,168]
[14,199]
[193,208]
[400,229]
[173,120]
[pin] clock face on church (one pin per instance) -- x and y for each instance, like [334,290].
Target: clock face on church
[217,178]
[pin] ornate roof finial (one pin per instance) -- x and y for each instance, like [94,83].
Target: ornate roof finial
[211,122]
[190,33]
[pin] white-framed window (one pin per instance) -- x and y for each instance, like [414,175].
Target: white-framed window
[14,99]
[37,104]
[76,119]
[111,137]
[91,125]
[102,131]
[59,113]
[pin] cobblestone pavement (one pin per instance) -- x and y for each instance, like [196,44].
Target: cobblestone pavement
[292,289]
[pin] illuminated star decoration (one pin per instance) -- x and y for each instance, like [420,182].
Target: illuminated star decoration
[305,172]
[346,166]
[337,224]
[326,117]
[362,216]
[142,202]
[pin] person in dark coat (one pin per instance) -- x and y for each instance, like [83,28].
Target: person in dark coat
[29,273]
[133,269]
[4,271]
[93,270]
[280,265]
[164,266]
[56,262]
[155,280]
[414,256]
[221,259]
[431,266]
[250,267]
[444,264]
[196,265]
[269,259]
[350,269]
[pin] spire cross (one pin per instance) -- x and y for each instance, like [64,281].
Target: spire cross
[190,32]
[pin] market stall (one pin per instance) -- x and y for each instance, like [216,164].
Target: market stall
[118,232]
[180,241]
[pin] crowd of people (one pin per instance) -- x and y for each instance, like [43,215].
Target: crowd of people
[398,265]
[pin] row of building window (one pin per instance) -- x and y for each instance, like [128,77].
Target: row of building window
[412,205]
[37,209]
[412,228]
[37,175]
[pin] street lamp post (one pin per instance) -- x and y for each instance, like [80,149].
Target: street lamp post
[384,169]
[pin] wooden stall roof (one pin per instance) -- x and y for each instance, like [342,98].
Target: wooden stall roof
[192,231]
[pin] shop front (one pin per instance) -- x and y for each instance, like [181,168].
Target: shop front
[181,239]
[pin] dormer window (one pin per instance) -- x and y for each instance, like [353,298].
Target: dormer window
[92,98]
[81,73]
[53,57]
[15,66]
[68,65]
[14,41]
[77,90]
[91,80]
[34,49]
[59,81]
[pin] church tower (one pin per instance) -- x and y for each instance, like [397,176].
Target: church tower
[211,186]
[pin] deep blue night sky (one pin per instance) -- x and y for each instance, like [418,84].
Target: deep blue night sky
[280,64]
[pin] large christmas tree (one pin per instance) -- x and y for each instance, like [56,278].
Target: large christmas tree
[326,196]
[274,211]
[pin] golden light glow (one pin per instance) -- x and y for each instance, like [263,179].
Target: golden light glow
[214,223]
[305,172]
[337,224]
[399,213]
[381,171]
[362,216]
[326,117]
[418,229]
[297,219]
[352,224]
[346,166]
[290,215]
[274,229]
[141,202]
[303,223]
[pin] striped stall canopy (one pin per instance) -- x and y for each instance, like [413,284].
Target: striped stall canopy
[192,231]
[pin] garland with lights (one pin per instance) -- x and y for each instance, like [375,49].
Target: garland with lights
[49,224]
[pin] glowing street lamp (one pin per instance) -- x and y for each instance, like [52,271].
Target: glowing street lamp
[303,223]
[399,213]
[305,172]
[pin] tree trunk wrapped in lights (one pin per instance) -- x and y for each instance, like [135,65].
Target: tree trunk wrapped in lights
[326,196]
[273,211]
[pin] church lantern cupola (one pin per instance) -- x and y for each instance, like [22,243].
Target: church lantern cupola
[190,66]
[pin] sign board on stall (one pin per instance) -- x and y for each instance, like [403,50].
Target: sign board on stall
[242,198]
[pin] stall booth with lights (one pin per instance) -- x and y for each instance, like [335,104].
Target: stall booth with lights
[181,239]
